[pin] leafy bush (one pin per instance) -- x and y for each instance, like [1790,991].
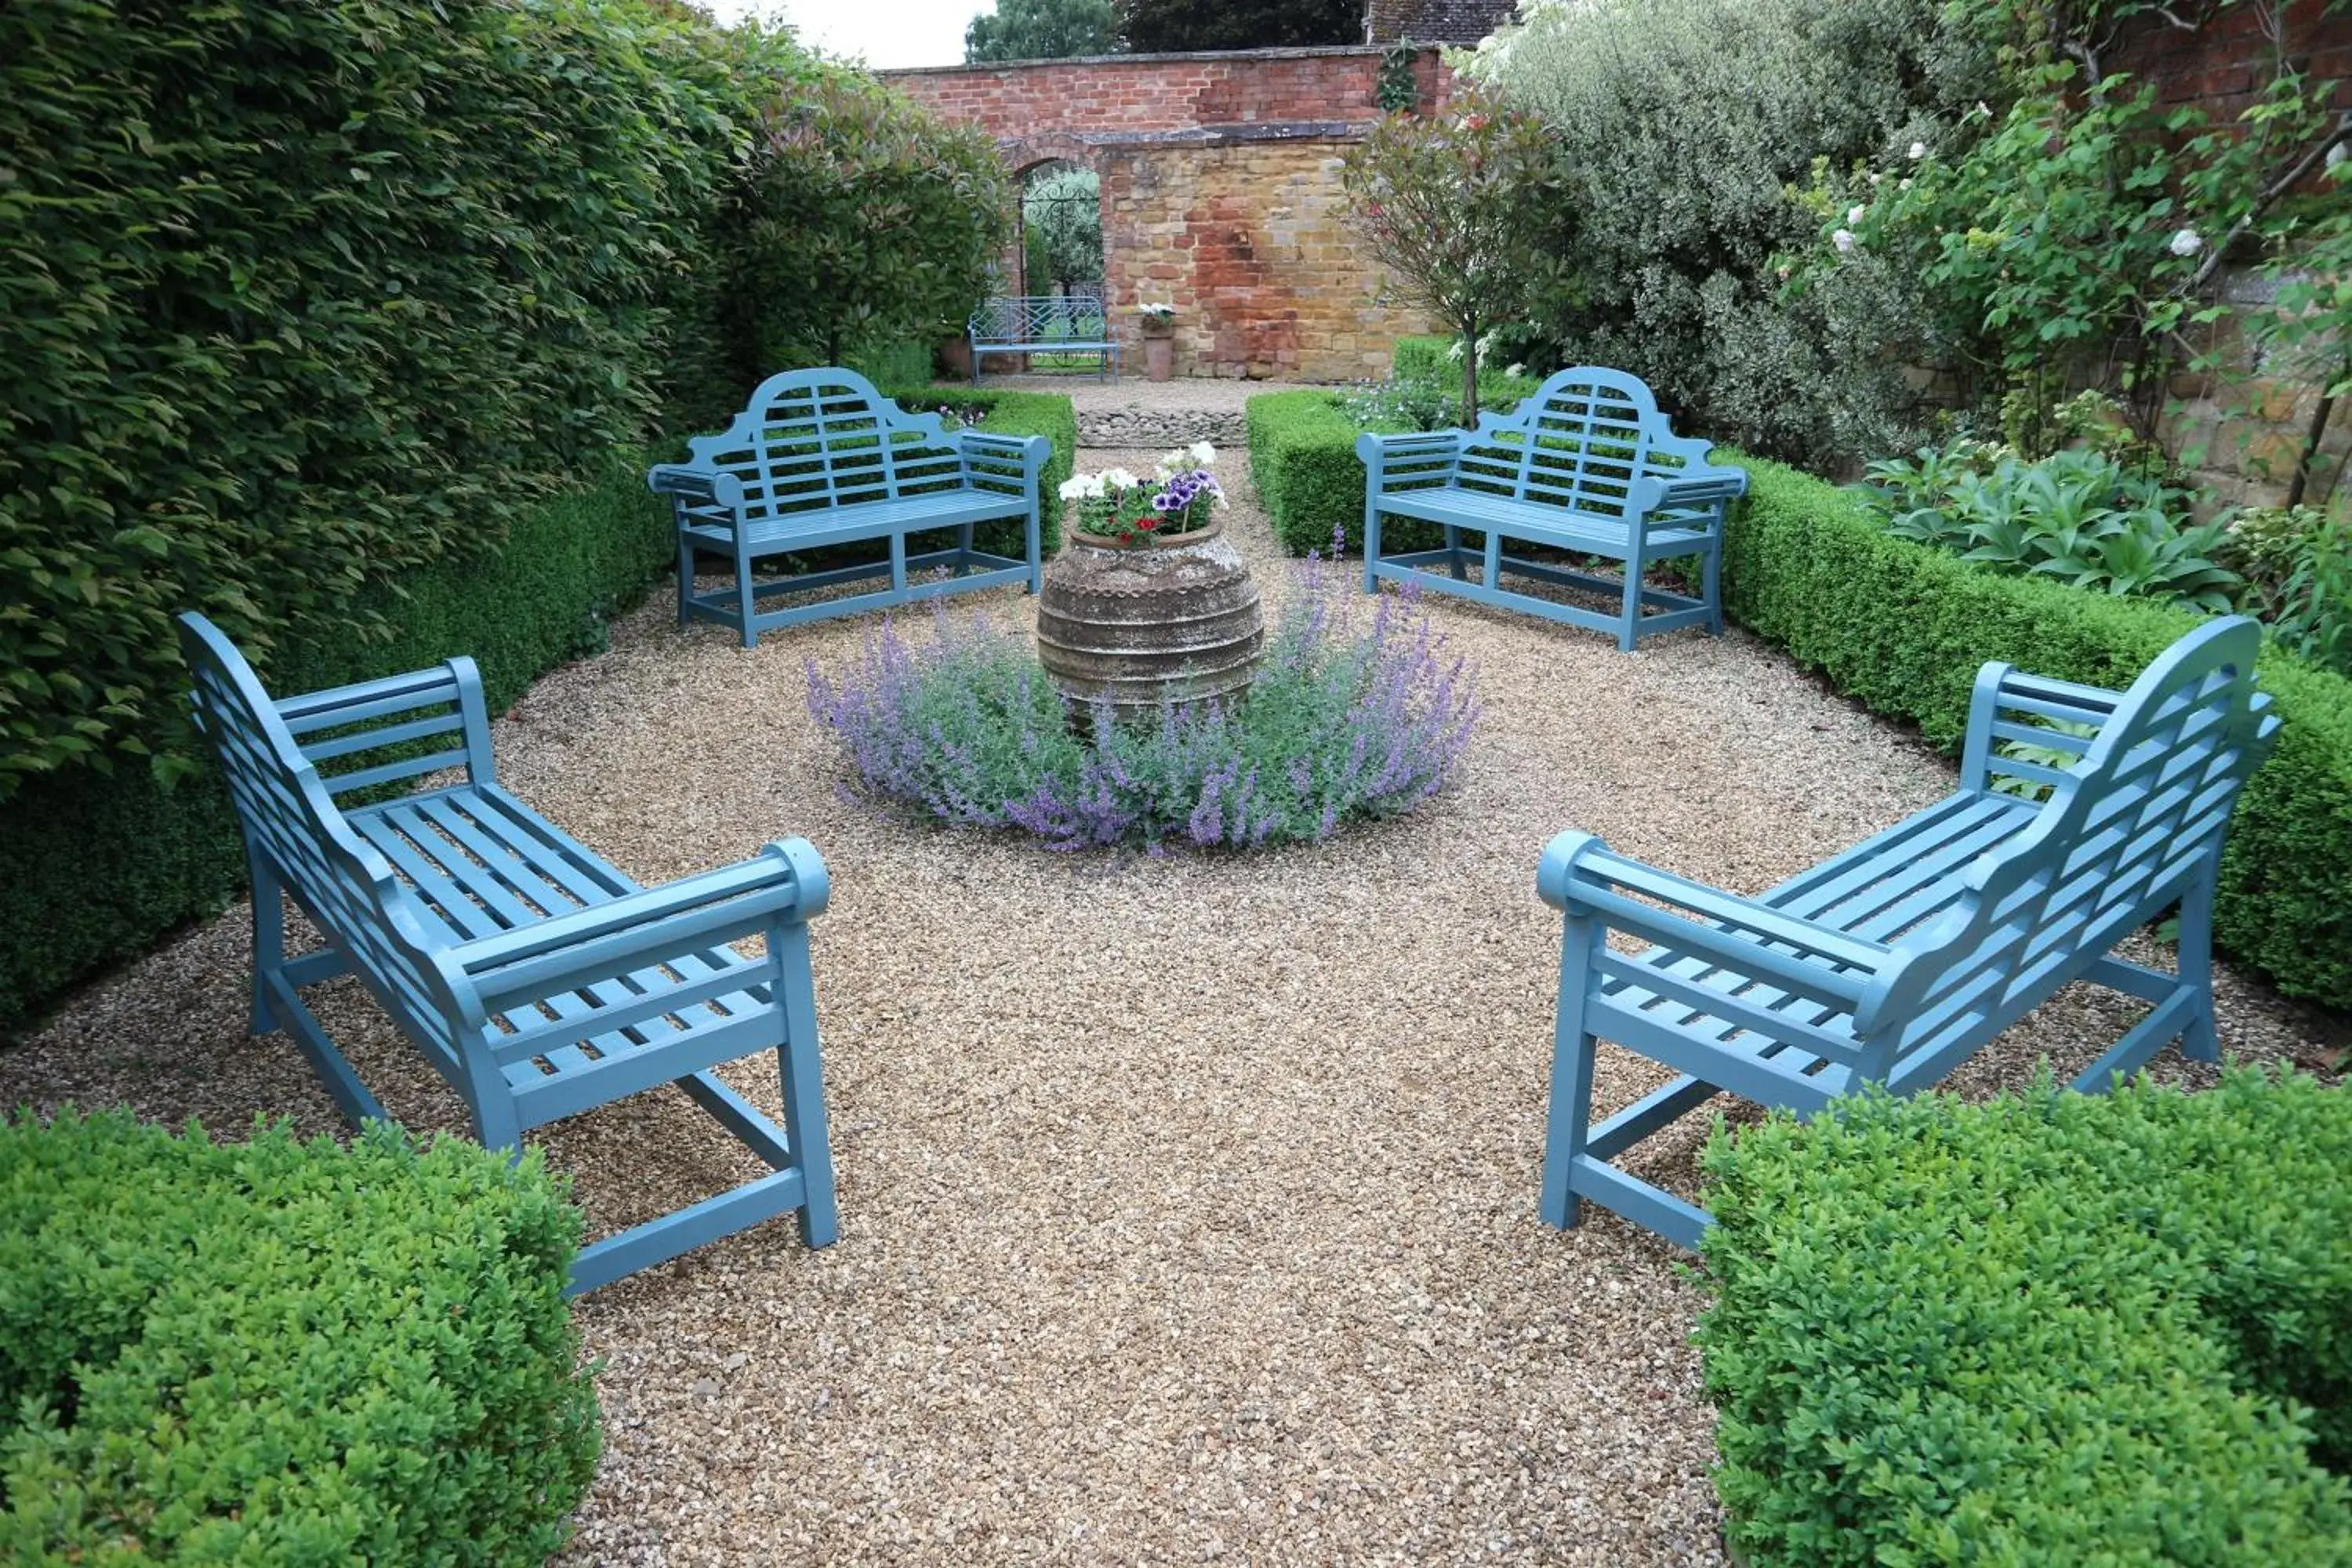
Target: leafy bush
[1903,629]
[860,221]
[283,1352]
[1683,125]
[2055,1328]
[1350,716]
[94,866]
[2077,515]
[2297,565]
[1423,389]
[294,299]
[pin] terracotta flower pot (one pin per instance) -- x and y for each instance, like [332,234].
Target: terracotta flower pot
[1172,615]
[1158,358]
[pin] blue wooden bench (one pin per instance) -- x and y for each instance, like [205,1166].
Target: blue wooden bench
[537,979]
[1075,322]
[1897,960]
[1585,466]
[821,458]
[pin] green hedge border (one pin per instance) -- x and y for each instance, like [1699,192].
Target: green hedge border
[281,1352]
[95,867]
[1903,629]
[2049,1329]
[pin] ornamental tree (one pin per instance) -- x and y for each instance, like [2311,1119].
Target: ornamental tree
[1170,26]
[1450,204]
[1042,30]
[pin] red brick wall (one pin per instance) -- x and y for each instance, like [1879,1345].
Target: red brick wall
[2222,64]
[1220,191]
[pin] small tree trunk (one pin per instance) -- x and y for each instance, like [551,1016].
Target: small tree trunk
[1470,373]
[2311,439]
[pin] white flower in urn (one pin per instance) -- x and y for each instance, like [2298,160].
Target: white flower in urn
[2187,242]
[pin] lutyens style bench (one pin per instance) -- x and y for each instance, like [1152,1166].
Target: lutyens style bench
[535,977]
[1897,960]
[820,457]
[1587,467]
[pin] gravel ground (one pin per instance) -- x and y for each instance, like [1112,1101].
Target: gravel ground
[1186,1203]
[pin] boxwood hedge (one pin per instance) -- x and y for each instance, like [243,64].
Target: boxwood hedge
[2049,1329]
[283,1352]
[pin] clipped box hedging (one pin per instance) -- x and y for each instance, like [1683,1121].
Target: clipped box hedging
[283,1352]
[2052,1329]
[95,866]
[1902,628]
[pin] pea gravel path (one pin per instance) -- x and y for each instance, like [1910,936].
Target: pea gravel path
[1186,1203]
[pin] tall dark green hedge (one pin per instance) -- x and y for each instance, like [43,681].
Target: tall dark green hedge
[2052,1329]
[298,297]
[279,1353]
[1902,628]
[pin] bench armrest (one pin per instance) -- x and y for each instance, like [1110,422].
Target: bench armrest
[341,727]
[784,884]
[1582,878]
[684,482]
[1699,485]
[1413,458]
[1007,463]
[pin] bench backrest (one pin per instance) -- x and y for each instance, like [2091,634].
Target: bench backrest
[1579,443]
[1077,316]
[811,439]
[291,822]
[2124,833]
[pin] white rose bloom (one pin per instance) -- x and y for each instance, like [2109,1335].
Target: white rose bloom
[1853,214]
[1903,185]
[1515,369]
[2188,242]
[1844,240]
[1918,151]
[1876,176]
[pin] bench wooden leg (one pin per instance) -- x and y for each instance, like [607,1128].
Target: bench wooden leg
[1570,1115]
[685,581]
[269,938]
[2199,1040]
[1629,624]
[1711,585]
[1033,537]
[746,596]
[1493,562]
[963,547]
[804,1087]
[1453,553]
[1371,544]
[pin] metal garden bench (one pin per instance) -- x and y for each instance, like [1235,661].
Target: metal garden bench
[535,977]
[1075,322]
[1586,465]
[1897,960]
[820,458]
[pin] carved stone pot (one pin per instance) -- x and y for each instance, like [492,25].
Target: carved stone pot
[1172,615]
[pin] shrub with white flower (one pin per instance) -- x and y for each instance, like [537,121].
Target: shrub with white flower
[1178,498]
[2187,242]
[1918,151]
[1843,239]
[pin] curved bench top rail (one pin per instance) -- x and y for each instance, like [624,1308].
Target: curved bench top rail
[812,439]
[346,886]
[1039,318]
[2124,830]
[1580,441]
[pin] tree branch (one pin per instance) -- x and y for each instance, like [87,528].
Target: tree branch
[2311,158]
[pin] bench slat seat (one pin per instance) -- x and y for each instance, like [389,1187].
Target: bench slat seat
[535,975]
[1588,466]
[819,459]
[1897,960]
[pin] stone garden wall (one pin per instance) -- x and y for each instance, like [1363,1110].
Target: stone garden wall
[1220,191]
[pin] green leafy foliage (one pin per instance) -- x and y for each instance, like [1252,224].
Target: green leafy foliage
[1451,206]
[1041,30]
[1902,629]
[1686,125]
[284,1352]
[2078,516]
[1424,390]
[94,866]
[861,220]
[2297,565]
[2054,1328]
[1179,26]
[294,299]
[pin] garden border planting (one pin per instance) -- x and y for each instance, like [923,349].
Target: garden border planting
[2052,1328]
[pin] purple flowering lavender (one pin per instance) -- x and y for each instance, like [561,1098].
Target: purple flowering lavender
[1354,714]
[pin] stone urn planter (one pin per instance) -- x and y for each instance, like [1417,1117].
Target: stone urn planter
[1172,615]
[1159,345]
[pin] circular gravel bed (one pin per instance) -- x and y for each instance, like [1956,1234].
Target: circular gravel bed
[1186,1203]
